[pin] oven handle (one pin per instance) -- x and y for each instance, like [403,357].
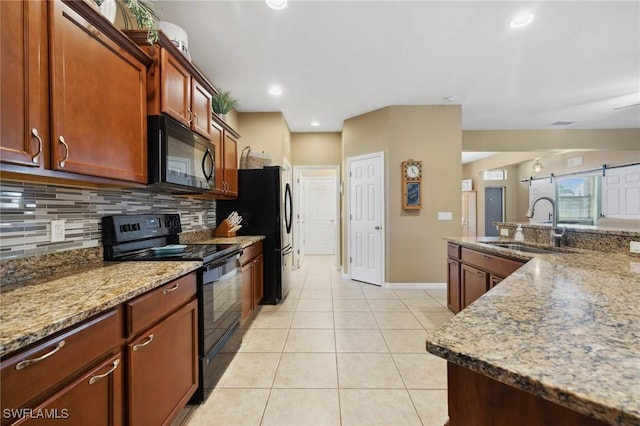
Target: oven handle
[220,262]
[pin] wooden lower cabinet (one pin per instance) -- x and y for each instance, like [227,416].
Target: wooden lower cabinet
[252,265]
[84,374]
[474,284]
[453,285]
[471,273]
[475,399]
[93,399]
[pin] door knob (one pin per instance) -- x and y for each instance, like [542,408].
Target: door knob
[378,227]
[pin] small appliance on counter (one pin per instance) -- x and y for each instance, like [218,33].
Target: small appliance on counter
[155,237]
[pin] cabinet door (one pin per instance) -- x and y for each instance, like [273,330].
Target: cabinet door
[176,87]
[98,99]
[163,368]
[93,399]
[24,108]
[453,285]
[217,142]
[258,275]
[474,284]
[494,280]
[201,109]
[247,291]
[230,165]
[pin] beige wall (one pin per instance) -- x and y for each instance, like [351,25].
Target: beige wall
[313,149]
[414,245]
[539,140]
[265,131]
[519,167]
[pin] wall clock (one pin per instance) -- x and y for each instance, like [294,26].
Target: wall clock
[411,184]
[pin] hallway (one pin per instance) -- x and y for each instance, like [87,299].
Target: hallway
[335,352]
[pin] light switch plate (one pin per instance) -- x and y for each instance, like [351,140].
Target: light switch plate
[504,232]
[634,246]
[57,230]
[445,215]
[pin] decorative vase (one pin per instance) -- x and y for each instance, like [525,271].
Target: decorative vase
[109,9]
[223,117]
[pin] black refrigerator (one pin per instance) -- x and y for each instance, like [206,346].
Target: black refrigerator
[265,204]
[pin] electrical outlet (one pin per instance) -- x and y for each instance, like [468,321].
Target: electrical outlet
[504,232]
[57,230]
[634,246]
[200,222]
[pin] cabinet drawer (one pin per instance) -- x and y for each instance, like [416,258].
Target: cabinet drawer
[27,375]
[250,252]
[453,251]
[147,309]
[490,263]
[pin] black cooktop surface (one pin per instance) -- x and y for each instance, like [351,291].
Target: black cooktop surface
[204,252]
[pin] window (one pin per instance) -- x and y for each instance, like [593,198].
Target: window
[495,175]
[577,200]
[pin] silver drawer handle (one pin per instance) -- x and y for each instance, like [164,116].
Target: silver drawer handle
[27,362]
[142,345]
[479,273]
[94,379]
[169,290]
[66,153]
[36,157]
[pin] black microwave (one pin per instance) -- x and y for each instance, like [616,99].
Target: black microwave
[179,158]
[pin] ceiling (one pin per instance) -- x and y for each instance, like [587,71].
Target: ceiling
[577,61]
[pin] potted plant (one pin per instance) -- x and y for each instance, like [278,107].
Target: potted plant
[144,13]
[222,102]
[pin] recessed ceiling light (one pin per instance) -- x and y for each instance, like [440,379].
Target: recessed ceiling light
[315,123]
[275,91]
[277,4]
[521,20]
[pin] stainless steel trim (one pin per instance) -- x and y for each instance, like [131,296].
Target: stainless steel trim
[97,378]
[142,345]
[35,158]
[27,362]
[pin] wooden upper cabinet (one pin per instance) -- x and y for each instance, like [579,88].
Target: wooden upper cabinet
[230,165]
[98,99]
[176,87]
[200,108]
[24,109]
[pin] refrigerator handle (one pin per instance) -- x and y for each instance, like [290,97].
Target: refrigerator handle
[288,208]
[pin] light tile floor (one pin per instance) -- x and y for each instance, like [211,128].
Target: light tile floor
[335,352]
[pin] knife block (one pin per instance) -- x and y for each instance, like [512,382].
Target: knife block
[224,230]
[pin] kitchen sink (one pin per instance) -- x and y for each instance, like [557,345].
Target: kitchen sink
[520,247]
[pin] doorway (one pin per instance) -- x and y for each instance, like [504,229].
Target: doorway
[493,209]
[365,215]
[316,212]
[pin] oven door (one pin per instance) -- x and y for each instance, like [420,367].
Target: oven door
[221,301]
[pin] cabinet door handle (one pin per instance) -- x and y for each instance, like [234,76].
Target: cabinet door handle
[145,343]
[170,290]
[487,257]
[190,119]
[35,159]
[196,116]
[479,273]
[27,362]
[96,378]
[66,152]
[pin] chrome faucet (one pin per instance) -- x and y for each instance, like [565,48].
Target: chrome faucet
[555,238]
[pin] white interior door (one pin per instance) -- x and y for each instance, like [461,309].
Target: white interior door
[366,217]
[621,193]
[319,215]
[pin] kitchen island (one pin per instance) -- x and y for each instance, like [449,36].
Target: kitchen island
[564,328]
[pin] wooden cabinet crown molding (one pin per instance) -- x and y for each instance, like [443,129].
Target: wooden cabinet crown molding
[101,23]
[139,37]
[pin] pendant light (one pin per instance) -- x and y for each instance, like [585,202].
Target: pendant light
[537,166]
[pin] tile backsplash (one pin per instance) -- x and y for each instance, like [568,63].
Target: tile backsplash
[26,211]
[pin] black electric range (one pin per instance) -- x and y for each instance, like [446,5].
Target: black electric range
[147,238]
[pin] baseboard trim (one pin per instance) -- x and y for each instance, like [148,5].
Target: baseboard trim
[416,286]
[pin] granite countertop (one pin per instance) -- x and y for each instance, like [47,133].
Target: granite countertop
[243,240]
[564,327]
[34,310]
